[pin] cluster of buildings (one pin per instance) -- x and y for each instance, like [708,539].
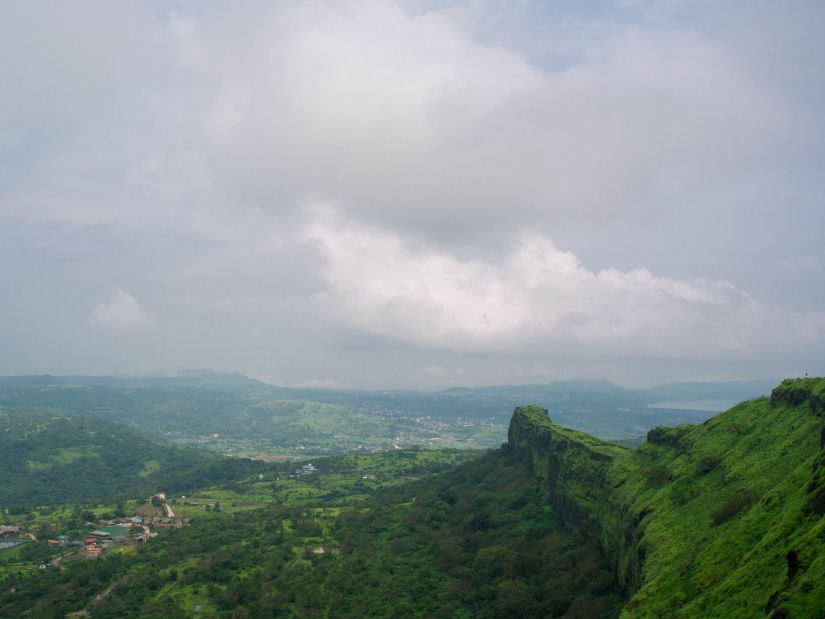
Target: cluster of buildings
[307,469]
[105,537]
[9,536]
[108,534]
[108,537]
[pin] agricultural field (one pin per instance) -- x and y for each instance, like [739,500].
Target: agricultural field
[331,482]
[334,480]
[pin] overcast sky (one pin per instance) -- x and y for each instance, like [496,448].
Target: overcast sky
[413,194]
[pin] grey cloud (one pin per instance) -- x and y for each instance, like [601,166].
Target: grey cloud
[336,191]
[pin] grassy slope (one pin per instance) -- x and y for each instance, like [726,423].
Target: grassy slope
[47,458]
[704,558]
[721,519]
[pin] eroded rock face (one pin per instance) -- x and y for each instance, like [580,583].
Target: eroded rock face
[575,468]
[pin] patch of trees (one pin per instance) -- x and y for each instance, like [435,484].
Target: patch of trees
[478,541]
[47,459]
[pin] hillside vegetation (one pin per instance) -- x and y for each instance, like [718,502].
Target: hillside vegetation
[477,541]
[722,519]
[46,459]
[236,415]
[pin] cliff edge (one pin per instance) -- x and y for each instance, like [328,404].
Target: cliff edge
[720,519]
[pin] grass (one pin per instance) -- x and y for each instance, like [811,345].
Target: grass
[149,467]
[61,457]
[703,520]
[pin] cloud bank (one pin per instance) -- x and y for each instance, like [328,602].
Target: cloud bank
[538,298]
[413,193]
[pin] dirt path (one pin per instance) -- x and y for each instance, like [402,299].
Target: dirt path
[104,593]
[85,611]
[58,561]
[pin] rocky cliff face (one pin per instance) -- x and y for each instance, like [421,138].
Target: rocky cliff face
[720,519]
[801,392]
[576,469]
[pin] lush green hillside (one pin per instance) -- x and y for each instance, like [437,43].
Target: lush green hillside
[722,519]
[252,417]
[245,417]
[54,458]
[479,541]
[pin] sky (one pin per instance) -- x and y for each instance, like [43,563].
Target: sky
[413,194]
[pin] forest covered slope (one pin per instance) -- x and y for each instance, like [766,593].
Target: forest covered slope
[720,519]
[476,541]
[48,458]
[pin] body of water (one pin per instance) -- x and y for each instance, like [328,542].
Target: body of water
[716,406]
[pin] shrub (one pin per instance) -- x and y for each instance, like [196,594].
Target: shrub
[734,506]
[657,474]
[707,464]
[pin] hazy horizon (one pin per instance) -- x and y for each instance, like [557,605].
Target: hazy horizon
[206,374]
[414,193]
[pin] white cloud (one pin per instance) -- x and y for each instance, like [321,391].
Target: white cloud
[122,312]
[134,140]
[541,300]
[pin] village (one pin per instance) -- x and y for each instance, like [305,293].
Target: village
[103,536]
[52,537]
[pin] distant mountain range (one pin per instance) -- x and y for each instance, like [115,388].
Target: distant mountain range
[195,403]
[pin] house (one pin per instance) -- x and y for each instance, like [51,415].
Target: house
[53,542]
[113,531]
[307,469]
[92,552]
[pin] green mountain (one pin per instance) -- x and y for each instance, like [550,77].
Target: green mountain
[478,541]
[47,459]
[721,519]
[252,417]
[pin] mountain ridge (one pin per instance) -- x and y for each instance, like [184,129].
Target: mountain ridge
[723,518]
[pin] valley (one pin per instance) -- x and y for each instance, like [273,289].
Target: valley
[720,518]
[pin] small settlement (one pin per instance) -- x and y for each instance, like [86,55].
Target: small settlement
[104,535]
[10,536]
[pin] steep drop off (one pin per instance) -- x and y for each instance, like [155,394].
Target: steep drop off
[721,519]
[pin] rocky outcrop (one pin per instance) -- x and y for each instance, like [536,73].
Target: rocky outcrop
[577,472]
[801,391]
